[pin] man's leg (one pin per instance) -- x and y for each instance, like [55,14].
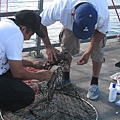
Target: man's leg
[14,94]
[70,44]
[97,60]
[96,68]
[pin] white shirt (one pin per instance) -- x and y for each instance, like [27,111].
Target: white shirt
[11,44]
[60,10]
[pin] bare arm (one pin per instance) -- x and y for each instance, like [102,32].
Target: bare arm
[18,71]
[27,63]
[95,40]
[50,50]
[37,64]
[46,39]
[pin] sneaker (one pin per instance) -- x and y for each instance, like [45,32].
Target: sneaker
[63,84]
[93,92]
[1,115]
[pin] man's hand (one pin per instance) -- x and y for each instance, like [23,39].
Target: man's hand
[44,75]
[51,53]
[84,59]
[50,50]
[38,65]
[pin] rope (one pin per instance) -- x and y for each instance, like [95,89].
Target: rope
[6,8]
[116,10]
[0,10]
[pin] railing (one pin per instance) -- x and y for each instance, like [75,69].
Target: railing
[38,10]
[38,47]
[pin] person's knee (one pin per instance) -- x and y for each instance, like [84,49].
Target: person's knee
[21,101]
[97,56]
[31,97]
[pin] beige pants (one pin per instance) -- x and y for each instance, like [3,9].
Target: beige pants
[71,44]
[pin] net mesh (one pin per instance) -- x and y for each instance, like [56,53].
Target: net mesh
[50,104]
[67,103]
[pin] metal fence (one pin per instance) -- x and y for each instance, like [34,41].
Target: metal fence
[38,46]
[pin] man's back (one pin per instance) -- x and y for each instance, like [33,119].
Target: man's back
[60,10]
[10,39]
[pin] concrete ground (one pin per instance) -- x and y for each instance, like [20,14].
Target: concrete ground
[81,76]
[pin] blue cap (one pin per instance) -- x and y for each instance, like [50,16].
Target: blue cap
[85,19]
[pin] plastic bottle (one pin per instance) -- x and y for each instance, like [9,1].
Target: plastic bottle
[112,93]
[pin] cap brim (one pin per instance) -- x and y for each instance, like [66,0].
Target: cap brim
[82,34]
[39,33]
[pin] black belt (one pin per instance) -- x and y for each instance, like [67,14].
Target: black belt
[78,5]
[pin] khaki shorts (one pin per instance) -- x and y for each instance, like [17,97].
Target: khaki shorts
[71,44]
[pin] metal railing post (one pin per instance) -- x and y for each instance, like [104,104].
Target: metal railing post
[38,47]
[38,39]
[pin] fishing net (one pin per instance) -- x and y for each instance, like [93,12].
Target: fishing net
[67,103]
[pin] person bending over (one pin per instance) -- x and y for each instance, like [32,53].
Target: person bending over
[14,93]
[81,19]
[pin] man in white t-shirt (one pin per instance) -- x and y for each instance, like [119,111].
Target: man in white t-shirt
[14,93]
[81,19]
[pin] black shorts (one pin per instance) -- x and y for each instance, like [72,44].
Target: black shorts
[14,94]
